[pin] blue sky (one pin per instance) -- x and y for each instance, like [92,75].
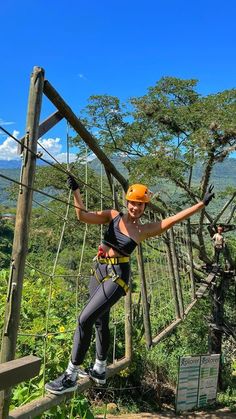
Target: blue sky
[115,47]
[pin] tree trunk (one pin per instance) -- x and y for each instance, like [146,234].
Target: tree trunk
[216,326]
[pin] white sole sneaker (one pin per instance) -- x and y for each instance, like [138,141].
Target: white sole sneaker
[58,392]
[97,378]
[82,373]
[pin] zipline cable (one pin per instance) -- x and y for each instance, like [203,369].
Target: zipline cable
[83,248]
[35,154]
[41,192]
[49,209]
[50,289]
[62,170]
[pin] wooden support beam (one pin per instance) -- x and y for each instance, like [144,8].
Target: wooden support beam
[18,370]
[89,139]
[190,306]
[113,191]
[128,322]
[190,259]
[40,405]
[172,275]
[49,123]
[166,331]
[44,127]
[128,316]
[145,303]
[176,271]
[175,323]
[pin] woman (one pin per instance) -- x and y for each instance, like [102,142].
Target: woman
[111,275]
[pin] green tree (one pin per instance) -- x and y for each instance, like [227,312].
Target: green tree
[6,238]
[164,135]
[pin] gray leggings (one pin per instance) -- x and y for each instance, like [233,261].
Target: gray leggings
[103,295]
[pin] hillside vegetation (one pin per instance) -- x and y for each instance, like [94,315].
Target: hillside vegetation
[223,175]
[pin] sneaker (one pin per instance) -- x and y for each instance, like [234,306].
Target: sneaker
[95,376]
[82,373]
[62,384]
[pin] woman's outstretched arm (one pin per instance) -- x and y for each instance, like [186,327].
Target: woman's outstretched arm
[90,217]
[155,229]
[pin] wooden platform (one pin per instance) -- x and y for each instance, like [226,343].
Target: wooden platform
[18,370]
[204,286]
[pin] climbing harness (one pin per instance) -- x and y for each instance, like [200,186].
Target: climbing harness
[111,272]
[117,280]
[114,260]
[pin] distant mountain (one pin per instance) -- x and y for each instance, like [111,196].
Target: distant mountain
[226,169]
[223,174]
[10,164]
[95,164]
[16,164]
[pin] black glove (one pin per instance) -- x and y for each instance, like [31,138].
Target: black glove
[208,195]
[72,184]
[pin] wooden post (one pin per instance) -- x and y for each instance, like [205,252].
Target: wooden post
[128,315]
[172,276]
[47,124]
[190,257]
[113,191]
[145,304]
[176,272]
[128,322]
[216,327]
[20,243]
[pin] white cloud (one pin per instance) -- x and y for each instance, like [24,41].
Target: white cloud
[62,157]
[54,147]
[50,144]
[2,122]
[91,157]
[82,76]
[8,149]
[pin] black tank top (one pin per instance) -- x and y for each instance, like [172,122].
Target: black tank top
[117,240]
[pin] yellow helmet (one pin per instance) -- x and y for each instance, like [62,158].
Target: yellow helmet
[138,193]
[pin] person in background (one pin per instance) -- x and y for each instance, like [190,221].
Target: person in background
[110,278]
[219,244]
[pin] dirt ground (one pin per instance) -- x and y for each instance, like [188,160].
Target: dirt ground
[219,414]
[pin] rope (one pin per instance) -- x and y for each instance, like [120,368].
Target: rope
[41,192]
[55,275]
[69,222]
[101,194]
[50,289]
[82,250]
[60,168]
[48,209]
[36,154]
